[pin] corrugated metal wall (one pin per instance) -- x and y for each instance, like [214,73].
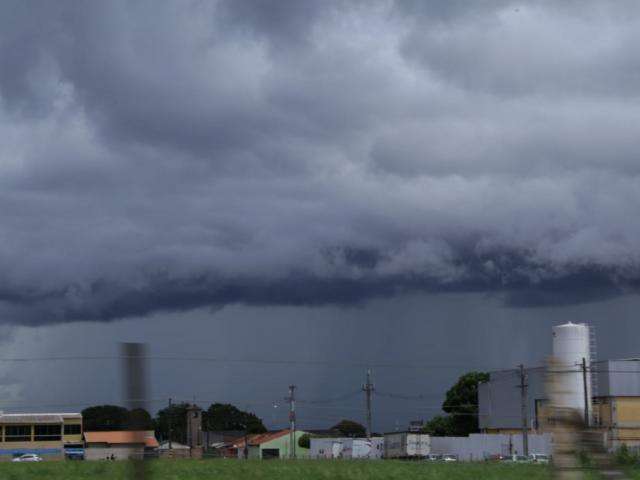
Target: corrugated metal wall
[481,446]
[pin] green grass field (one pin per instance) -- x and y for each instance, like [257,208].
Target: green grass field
[276,470]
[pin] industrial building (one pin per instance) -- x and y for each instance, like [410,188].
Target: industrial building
[48,435]
[606,392]
[500,402]
[616,408]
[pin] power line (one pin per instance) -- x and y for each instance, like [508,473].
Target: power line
[331,400]
[238,361]
[405,397]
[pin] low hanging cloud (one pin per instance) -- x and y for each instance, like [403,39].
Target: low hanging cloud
[172,155]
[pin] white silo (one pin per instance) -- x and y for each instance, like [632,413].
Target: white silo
[570,347]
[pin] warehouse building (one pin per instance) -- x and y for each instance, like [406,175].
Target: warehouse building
[49,435]
[614,408]
[500,402]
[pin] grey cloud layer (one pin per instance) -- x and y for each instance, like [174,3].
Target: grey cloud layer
[170,155]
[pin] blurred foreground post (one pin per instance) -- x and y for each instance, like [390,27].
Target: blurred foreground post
[523,411]
[571,436]
[135,391]
[565,423]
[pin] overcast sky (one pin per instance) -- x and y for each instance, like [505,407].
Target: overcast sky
[359,181]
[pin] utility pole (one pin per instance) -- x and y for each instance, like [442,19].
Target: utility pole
[170,412]
[368,390]
[292,421]
[134,365]
[245,450]
[246,436]
[523,410]
[586,392]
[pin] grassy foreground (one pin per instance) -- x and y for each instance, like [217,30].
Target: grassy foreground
[276,470]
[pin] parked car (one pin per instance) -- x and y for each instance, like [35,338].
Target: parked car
[433,457]
[539,458]
[75,454]
[496,457]
[449,458]
[28,457]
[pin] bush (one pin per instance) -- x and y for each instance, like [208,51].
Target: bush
[624,456]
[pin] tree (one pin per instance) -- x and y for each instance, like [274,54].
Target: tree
[439,426]
[349,428]
[173,419]
[224,416]
[105,417]
[141,419]
[305,441]
[461,403]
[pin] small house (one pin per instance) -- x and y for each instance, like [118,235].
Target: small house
[120,445]
[271,445]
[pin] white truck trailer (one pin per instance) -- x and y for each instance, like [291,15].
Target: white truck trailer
[347,448]
[406,445]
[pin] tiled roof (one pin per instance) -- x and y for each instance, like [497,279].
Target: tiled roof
[114,438]
[32,418]
[260,438]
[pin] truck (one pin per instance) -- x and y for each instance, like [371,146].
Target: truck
[406,445]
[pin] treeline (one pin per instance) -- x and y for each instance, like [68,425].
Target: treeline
[460,406]
[219,416]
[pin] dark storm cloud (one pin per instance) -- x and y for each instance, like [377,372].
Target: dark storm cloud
[172,155]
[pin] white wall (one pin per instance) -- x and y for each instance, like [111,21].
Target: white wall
[480,446]
[120,453]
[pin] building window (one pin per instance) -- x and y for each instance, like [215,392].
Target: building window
[47,433]
[17,433]
[73,429]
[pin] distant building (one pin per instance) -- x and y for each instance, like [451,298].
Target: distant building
[50,435]
[499,401]
[174,450]
[221,443]
[271,445]
[222,436]
[122,445]
[416,426]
